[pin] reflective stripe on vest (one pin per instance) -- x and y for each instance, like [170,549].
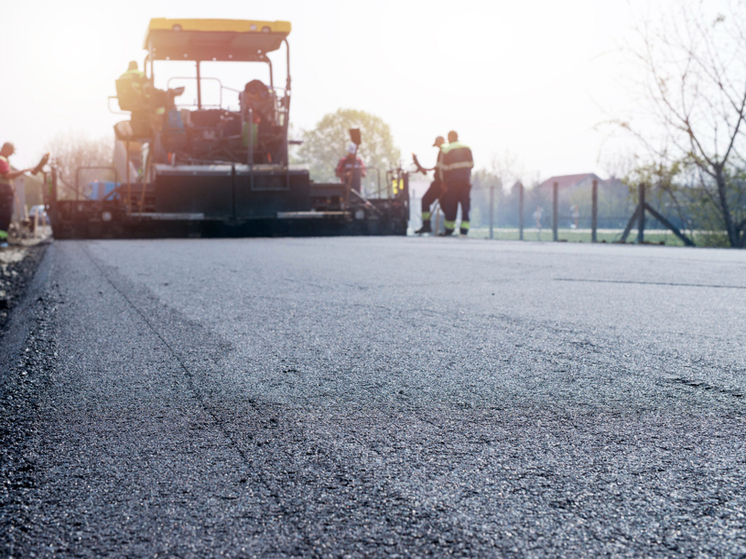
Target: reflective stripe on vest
[132,74]
[453,145]
[459,165]
[457,162]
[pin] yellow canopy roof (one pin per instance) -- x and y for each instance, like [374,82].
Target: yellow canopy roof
[214,39]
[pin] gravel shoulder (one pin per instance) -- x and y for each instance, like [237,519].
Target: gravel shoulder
[17,266]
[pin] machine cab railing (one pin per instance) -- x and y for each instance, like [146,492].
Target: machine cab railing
[278,94]
[248,125]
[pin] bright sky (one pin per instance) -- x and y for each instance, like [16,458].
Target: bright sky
[533,77]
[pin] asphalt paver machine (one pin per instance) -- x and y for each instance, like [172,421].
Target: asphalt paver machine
[193,167]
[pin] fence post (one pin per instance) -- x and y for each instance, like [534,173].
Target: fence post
[492,206]
[53,189]
[594,212]
[555,205]
[641,214]
[520,211]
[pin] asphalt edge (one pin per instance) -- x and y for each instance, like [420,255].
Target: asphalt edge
[22,318]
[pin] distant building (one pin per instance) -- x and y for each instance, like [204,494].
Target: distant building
[572,181]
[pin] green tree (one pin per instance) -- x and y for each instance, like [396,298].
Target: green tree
[324,145]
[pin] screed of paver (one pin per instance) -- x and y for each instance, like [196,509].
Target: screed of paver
[284,397]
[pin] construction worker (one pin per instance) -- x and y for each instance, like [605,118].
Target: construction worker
[434,192]
[132,89]
[351,168]
[7,192]
[146,103]
[456,166]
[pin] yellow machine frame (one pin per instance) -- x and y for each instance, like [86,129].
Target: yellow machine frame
[214,39]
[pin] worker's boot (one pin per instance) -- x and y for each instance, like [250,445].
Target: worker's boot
[424,229]
[447,233]
[464,231]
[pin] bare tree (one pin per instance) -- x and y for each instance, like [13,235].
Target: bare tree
[74,150]
[508,168]
[694,64]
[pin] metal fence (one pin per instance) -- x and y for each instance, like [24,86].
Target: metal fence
[530,215]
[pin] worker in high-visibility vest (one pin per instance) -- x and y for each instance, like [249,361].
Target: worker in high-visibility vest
[7,191]
[433,193]
[133,89]
[455,170]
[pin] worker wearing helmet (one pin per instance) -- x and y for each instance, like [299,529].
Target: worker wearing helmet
[351,168]
[434,192]
[7,192]
[455,170]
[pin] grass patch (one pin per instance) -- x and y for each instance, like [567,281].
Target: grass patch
[652,236]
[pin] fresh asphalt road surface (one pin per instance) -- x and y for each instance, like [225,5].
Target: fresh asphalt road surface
[380,397]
